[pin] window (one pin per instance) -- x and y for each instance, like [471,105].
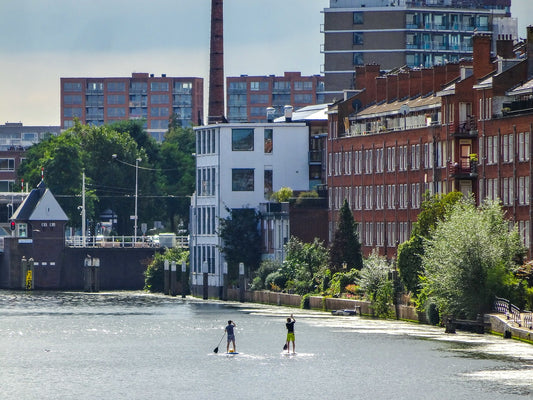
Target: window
[7,164]
[72,112]
[116,112]
[116,99]
[391,159]
[159,86]
[139,87]
[358,18]
[268,183]
[242,139]
[72,99]
[159,124]
[116,86]
[358,59]
[303,98]
[159,99]
[22,230]
[95,86]
[237,86]
[282,85]
[159,111]
[72,86]
[303,85]
[268,141]
[242,180]
[358,38]
[259,99]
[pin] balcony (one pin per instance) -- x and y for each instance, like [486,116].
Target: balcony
[465,129]
[463,171]
[315,156]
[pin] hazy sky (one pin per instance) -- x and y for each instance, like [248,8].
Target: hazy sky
[43,40]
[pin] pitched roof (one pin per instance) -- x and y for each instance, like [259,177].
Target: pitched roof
[40,205]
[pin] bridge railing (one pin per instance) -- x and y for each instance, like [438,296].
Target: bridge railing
[513,313]
[124,241]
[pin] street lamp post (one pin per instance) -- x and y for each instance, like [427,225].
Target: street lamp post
[137,160]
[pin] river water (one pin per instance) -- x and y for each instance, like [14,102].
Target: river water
[131,345]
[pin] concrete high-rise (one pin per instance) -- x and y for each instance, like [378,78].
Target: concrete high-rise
[415,33]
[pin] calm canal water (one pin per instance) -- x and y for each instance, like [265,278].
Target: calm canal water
[128,345]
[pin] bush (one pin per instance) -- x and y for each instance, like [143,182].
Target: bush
[306,301]
[154,277]
[275,281]
[266,268]
[433,314]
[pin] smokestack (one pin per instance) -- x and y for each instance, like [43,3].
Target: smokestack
[216,64]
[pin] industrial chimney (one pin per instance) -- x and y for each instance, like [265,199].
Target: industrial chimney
[216,65]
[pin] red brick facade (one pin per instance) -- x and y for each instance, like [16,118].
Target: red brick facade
[452,127]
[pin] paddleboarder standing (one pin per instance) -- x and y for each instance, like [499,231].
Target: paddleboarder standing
[231,335]
[290,333]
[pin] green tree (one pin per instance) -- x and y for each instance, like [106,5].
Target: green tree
[469,259]
[346,247]
[375,282]
[154,274]
[239,232]
[433,210]
[303,262]
[178,174]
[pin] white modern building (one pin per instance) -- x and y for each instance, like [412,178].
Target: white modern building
[239,165]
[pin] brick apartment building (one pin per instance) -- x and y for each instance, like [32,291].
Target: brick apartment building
[248,97]
[97,101]
[393,33]
[461,126]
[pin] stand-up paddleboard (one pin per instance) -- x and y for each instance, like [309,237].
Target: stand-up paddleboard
[231,353]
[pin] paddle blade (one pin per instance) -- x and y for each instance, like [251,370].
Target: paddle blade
[216,350]
[285,346]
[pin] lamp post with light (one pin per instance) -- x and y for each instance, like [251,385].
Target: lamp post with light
[137,160]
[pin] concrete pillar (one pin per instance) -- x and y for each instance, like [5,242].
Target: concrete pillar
[241,282]
[173,279]
[91,281]
[205,271]
[96,274]
[184,279]
[166,277]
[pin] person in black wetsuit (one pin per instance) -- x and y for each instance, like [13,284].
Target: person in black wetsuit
[231,335]
[290,333]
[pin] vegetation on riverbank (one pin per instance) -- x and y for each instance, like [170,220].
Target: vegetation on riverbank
[458,258]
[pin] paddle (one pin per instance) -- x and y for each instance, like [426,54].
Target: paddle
[216,348]
[285,346]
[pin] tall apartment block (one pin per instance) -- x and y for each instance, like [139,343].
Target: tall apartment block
[98,101]
[413,33]
[248,97]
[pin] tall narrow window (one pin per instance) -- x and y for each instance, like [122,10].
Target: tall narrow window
[268,141]
[268,183]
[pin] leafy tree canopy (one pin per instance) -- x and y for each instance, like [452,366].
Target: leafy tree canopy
[466,258]
[241,240]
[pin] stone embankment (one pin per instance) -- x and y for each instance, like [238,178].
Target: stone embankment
[498,323]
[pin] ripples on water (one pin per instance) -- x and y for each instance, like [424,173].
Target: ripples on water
[129,345]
